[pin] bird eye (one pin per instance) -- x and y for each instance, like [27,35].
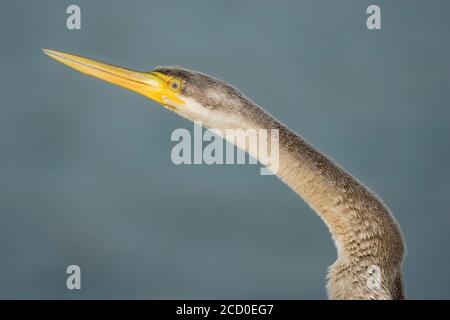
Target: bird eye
[175,84]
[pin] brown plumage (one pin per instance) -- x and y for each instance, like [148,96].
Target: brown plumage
[369,242]
[364,230]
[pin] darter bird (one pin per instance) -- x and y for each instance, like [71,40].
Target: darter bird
[369,242]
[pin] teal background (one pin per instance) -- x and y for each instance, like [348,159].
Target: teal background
[85,170]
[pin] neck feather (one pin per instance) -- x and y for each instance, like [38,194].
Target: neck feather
[364,230]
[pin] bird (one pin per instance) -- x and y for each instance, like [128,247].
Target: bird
[369,242]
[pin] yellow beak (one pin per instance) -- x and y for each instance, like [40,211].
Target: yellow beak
[153,85]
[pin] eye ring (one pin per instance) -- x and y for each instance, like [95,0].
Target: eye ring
[174,84]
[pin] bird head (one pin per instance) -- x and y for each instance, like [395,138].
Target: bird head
[193,95]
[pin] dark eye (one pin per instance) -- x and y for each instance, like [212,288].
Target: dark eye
[175,84]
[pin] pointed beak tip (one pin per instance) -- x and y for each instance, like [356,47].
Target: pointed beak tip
[47,51]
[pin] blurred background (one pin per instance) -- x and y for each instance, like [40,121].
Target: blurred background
[85,171]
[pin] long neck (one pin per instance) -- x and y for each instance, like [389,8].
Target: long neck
[353,213]
[365,233]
